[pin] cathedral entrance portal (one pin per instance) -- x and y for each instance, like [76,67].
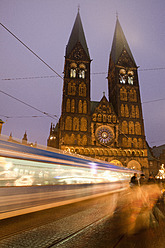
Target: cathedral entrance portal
[133,164]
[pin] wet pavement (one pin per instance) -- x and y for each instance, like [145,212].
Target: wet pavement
[106,232]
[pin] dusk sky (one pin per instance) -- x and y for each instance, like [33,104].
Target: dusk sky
[45,26]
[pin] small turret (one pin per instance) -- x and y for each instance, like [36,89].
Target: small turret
[24,140]
[1,124]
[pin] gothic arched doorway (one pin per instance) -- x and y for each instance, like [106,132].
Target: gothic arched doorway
[133,164]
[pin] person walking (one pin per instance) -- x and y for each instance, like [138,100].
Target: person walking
[142,179]
[134,180]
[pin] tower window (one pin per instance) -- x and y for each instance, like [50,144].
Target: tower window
[68,123]
[82,68]
[73,106]
[131,127]
[123,94]
[130,80]
[73,67]
[71,88]
[83,124]
[84,107]
[130,77]
[81,74]
[68,105]
[82,89]
[122,77]
[80,107]
[73,73]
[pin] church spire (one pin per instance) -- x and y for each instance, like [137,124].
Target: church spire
[119,44]
[77,35]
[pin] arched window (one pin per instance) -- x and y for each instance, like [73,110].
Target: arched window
[79,140]
[84,107]
[123,94]
[130,80]
[83,124]
[132,95]
[68,105]
[122,110]
[129,142]
[68,123]
[99,117]
[80,107]
[140,143]
[94,117]
[81,73]
[124,127]
[73,106]
[114,118]
[73,67]
[84,140]
[137,128]
[130,77]
[131,127]
[75,124]
[126,111]
[71,88]
[133,111]
[137,112]
[66,139]
[109,118]
[104,118]
[72,139]
[82,89]
[72,73]
[135,144]
[124,142]
[122,77]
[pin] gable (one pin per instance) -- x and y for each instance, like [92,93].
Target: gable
[103,111]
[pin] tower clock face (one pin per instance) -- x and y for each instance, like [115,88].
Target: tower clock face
[104,134]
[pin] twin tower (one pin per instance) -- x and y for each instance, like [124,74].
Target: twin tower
[111,129]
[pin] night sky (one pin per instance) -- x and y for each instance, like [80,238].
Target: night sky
[45,26]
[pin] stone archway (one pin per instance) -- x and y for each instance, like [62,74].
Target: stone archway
[133,164]
[116,162]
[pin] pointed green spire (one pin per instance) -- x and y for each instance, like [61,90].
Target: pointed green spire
[77,35]
[119,43]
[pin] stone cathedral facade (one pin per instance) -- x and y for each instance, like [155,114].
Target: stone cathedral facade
[111,129]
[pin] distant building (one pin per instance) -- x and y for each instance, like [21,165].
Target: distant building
[159,153]
[24,140]
[153,161]
[1,124]
[110,129]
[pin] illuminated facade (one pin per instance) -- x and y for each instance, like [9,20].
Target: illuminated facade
[111,129]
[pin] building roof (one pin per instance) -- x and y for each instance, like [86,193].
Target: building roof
[157,150]
[150,153]
[119,43]
[77,35]
[93,104]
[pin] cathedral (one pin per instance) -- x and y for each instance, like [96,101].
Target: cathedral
[111,129]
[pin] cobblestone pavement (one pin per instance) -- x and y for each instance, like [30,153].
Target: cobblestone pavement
[48,234]
[103,234]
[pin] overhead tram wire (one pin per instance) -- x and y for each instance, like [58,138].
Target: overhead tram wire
[22,116]
[92,73]
[31,51]
[53,117]
[41,61]
[55,73]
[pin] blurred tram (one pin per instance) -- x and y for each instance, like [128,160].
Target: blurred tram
[22,165]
